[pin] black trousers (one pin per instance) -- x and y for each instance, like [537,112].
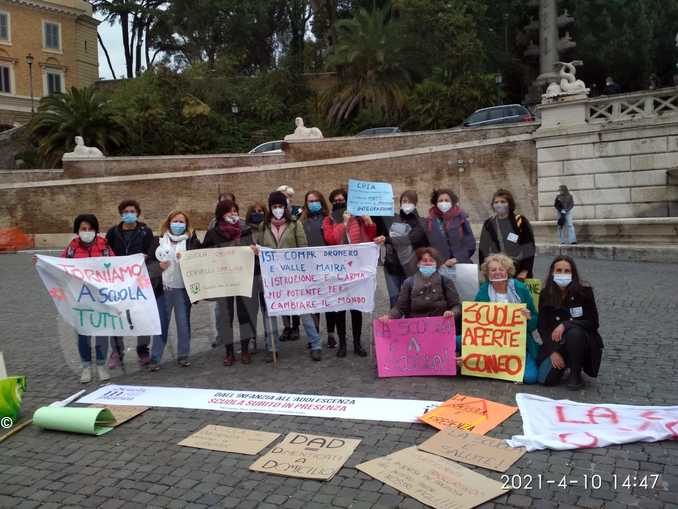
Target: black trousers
[356,324]
[574,348]
[330,319]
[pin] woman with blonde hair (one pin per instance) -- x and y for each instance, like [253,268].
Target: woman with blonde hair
[176,236]
[501,286]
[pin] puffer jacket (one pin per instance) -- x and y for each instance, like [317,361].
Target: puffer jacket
[76,248]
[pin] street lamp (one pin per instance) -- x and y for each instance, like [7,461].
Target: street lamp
[234,108]
[29,61]
[498,80]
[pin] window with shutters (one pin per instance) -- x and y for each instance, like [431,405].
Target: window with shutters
[52,35]
[4,27]
[54,82]
[5,79]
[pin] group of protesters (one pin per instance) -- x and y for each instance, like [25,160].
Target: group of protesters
[419,255]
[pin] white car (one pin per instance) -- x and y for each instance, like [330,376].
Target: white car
[270,147]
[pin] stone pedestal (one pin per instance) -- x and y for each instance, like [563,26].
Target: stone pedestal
[563,111]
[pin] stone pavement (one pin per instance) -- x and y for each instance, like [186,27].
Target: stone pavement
[139,465]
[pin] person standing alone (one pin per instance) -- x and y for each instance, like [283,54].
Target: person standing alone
[564,204]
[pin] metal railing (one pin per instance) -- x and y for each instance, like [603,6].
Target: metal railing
[633,106]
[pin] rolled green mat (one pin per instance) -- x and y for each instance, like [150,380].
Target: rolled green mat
[11,392]
[86,420]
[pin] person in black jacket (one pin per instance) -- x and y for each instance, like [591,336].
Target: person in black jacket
[407,227]
[568,325]
[231,230]
[508,233]
[129,237]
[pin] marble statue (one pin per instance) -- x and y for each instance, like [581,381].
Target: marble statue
[569,84]
[302,132]
[81,151]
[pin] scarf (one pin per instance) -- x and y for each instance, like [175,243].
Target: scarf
[447,218]
[176,238]
[228,230]
[511,292]
[278,227]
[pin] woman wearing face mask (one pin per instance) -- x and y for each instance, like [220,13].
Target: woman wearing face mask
[500,286]
[254,218]
[229,230]
[176,237]
[340,227]
[314,212]
[449,231]
[427,293]
[568,325]
[509,233]
[404,234]
[89,244]
[280,231]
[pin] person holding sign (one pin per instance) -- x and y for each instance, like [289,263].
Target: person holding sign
[509,233]
[427,293]
[89,244]
[343,228]
[568,325]
[176,237]
[281,231]
[449,230]
[314,213]
[230,230]
[501,286]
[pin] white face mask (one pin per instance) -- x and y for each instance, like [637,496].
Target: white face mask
[562,280]
[87,236]
[408,208]
[444,206]
[278,212]
[232,219]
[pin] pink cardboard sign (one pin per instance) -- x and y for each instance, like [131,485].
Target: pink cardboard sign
[415,347]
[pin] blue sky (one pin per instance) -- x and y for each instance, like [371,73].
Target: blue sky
[113,40]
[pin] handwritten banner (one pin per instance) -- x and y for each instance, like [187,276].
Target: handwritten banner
[219,272]
[102,296]
[415,347]
[475,415]
[370,198]
[314,279]
[493,340]
[564,424]
[534,285]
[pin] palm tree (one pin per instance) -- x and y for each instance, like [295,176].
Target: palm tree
[371,67]
[79,112]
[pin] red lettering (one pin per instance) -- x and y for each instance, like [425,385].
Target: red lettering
[481,363]
[564,438]
[649,415]
[470,338]
[601,412]
[560,413]
[671,426]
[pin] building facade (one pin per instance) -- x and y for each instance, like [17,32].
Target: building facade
[45,47]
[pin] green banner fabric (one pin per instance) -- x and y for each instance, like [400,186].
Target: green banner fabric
[88,421]
[11,392]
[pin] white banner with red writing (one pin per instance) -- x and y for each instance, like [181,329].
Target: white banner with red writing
[102,296]
[307,280]
[564,424]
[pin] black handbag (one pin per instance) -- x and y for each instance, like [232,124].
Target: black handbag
[561,220]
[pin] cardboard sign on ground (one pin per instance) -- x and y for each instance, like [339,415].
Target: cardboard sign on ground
[434,481]
[122,414]
[307,456]
[476,415]
[225,439]
[486,452]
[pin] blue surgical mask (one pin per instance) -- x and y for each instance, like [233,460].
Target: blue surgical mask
[177,228]
[314,207]
[427,270]
[129,217]
[562,280]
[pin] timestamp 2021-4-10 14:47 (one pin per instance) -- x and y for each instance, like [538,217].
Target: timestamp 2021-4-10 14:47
[586,481]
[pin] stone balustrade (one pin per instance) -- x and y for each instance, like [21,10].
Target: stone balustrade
[633,106]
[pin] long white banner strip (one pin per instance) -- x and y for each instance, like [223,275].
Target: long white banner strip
[564,424]
[309,405]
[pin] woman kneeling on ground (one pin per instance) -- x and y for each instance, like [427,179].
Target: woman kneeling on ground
[568,325]
[501,286]
[427,293]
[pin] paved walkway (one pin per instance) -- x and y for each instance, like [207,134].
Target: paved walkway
[139,465]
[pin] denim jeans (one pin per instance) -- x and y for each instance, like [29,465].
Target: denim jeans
[393,284]
[568,228]
[173,299]
[85,350]
[311,331]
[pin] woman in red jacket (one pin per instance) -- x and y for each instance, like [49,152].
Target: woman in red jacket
[340,227]
[89,244]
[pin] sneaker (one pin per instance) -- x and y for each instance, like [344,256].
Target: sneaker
[114,360]
[154,366]
[184,363]
[316,355]
[144,359]
[102,373]
[86,376]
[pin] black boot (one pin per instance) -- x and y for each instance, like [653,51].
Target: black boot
[341,352]
[575,381]
[358,348]
[294,333]
[287,331]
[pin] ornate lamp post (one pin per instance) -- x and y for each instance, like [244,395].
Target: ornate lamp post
[29,61]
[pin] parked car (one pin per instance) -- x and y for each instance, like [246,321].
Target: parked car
[506,114]
[270,147]
[379,131]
